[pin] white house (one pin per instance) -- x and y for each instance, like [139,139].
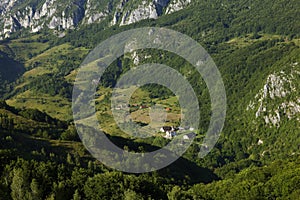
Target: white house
[170,134]
[181,128]
[189,136]
[164,129]
[192,129]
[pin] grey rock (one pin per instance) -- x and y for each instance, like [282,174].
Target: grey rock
[61,15]
[279,97]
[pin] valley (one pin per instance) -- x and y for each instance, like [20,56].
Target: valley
[256,47]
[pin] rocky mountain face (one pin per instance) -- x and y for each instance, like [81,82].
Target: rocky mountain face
[34,15]
[279,99]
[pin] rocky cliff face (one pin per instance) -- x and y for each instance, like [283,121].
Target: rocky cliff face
[279,97]
[128,13]
[49,14]
[59,15]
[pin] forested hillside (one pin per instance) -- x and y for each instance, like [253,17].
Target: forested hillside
[256,47]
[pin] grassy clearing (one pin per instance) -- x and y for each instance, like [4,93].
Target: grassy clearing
[138,114]
[25,51]
[53,59]
[72,76]
[36,72]
[48,62]
[296,41]
[21,121]
[250,39]
[50,54]
[55,106]
[70,147]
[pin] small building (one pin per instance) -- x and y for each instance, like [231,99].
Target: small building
[168,109]
[181,128]
[164,129]
[95,81]
[121,107]
[189,136]
[170,134]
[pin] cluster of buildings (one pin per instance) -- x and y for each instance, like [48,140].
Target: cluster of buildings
[171,132]
[141,106]
[123,106]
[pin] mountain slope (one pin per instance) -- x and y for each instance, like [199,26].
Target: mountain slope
[245,60]
[256,46]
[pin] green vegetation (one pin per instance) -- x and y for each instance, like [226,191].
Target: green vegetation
[41,156]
